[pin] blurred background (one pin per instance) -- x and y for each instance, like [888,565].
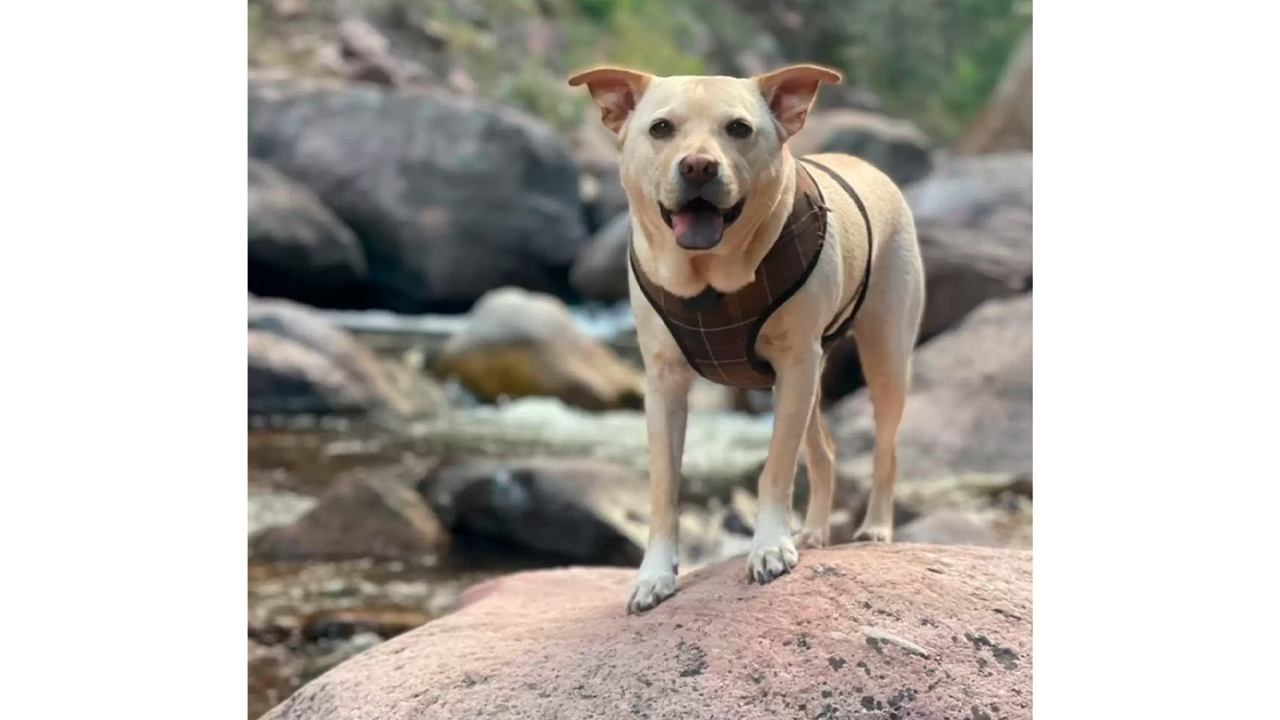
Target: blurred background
[443,378]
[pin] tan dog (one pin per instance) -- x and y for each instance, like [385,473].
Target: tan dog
[711,187]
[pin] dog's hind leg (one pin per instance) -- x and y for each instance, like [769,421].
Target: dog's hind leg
[886,336]
[819,458]
[888,400]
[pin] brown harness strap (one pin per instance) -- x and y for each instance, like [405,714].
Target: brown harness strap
[843,328]
[716,331]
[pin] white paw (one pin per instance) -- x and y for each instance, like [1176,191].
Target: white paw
[772,551]
[811,537]
[649,589]
[656,579]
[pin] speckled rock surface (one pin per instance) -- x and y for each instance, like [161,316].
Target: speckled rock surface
[873,632]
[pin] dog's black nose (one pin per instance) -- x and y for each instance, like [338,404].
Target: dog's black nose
[698,169]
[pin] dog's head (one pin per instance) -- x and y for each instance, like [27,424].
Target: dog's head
[696,151]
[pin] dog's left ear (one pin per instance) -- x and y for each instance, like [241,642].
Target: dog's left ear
[790,92]
[615,90]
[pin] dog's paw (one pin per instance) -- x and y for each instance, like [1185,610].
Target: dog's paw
[873,534]
[650,589]
[767,561]
[811,538]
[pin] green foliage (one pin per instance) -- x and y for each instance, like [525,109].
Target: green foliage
[637,33]
[601,12]
[645,34]
[934,61]
[989,31]
[267,47]
[542,93]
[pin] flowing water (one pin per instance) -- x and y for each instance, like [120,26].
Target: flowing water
[305,617]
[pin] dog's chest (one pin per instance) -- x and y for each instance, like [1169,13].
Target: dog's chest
[717,332]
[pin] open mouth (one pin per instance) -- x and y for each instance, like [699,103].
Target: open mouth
[699,224]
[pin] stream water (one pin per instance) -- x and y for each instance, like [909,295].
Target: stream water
[305,617]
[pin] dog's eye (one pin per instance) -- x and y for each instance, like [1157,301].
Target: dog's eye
[661,129]
[737,129]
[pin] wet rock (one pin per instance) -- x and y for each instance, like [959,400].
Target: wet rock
[948,528]
[301,363]
[969,410]
[287,377]
[974,220]
[581,510]
[897,147]
[568,510]
[365,514]
[600,272]
[850,642]
[348,622]
[450,196]
[518,344]
[298,249]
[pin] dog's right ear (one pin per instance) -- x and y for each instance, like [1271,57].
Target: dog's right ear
[790,92]
[615,90]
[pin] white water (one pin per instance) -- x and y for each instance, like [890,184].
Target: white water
[598,321]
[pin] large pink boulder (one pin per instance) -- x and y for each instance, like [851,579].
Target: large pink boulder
[868,631]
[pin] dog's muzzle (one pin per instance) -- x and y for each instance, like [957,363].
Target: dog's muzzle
[697,221]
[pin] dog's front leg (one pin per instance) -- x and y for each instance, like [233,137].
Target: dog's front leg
[666,409]
[773,553]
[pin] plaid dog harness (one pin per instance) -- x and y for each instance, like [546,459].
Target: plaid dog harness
[717,332]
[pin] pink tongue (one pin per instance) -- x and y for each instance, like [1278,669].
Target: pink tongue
[697,230]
